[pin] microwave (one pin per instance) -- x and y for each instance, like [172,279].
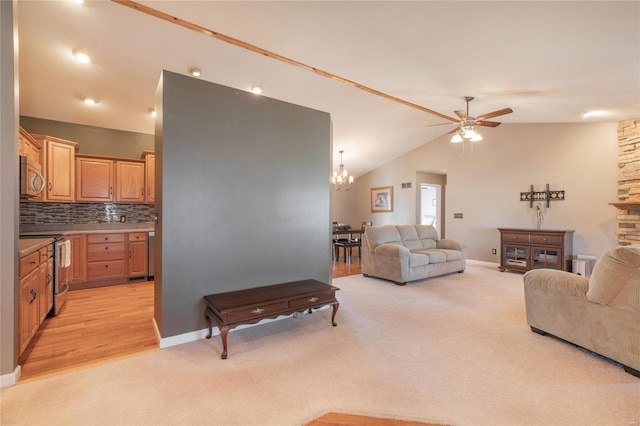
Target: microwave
[31,178]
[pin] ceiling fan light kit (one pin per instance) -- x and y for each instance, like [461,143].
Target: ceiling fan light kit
[467,125]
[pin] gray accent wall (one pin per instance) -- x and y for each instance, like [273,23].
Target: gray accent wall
[245,196]
[92,140]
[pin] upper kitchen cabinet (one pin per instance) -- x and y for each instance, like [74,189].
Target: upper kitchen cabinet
[59,168]
[130,181]
[150,176]
[29,147]
[94,179]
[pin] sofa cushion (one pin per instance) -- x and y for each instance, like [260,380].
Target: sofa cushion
[416,260]
[617,271]
[426,232]
[557,281]
[407,232]
[435,256]
[377,235]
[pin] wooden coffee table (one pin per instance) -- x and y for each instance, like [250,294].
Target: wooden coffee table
[231,309]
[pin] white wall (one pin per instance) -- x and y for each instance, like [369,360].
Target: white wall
[484,183]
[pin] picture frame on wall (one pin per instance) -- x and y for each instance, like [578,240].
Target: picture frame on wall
[382,199]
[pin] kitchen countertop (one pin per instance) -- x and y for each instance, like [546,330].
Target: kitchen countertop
[29,245]
[95,228]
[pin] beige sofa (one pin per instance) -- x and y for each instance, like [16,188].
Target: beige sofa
[403,253]
[601,314]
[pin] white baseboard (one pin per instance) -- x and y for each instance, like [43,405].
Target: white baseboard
[10,379]
[192,336]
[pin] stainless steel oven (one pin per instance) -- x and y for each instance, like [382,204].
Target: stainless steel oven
[62,273]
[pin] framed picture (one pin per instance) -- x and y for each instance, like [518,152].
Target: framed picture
[382,199]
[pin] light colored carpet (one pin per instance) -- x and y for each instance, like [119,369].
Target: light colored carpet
[453,349]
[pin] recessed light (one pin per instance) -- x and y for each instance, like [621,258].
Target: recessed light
[89,101]
[595,114]
[256,89]
[81,56]
[196,72]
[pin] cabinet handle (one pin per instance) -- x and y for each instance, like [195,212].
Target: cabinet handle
[129,254]
[106,266]
[34,294]
[50,187]
[257,311]
[111,190]
[106,248]
[49,278]
[313,299]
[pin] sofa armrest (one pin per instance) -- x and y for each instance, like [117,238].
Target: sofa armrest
[450,244]
[559,281]
[392,250]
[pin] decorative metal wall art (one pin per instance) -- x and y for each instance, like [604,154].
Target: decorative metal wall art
[546,195]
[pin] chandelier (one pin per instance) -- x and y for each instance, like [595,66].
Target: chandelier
[467,130]
[340,178]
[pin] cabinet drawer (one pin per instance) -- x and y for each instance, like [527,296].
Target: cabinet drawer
[106,251]
[554,240]
[312,300]
[105,270]
[514,237]
[46,253]
[255,312]
[105,238]
[29,263]
[138,236]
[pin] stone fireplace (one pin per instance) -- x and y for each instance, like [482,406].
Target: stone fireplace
[628,182]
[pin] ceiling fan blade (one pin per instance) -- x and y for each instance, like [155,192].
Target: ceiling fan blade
[487,123]
[457,129]
[495,113]
[439,124]
[462,114]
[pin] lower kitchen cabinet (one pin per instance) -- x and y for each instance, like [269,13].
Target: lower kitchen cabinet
[78,258]
[138,254]
[36,292]
[105,257]
[108,258]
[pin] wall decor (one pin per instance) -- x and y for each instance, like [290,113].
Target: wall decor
[382,199]
[546,195]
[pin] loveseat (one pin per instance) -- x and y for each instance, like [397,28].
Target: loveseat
[600,313]
[403,253]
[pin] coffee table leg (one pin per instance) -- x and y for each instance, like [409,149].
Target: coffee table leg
[208,318]
[333,315]
[223,335]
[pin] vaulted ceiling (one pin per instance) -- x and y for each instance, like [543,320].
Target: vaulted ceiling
[549,61]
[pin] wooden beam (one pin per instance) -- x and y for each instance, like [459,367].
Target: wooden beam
[273,55]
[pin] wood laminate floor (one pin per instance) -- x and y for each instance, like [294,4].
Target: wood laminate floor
[94,326]
[102,324]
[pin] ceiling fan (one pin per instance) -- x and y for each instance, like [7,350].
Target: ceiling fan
[466,128]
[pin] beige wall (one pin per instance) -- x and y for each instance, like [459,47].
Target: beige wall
[484,183]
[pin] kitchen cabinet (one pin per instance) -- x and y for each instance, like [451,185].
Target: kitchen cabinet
[36,292]
[105,257]
[526,249]
[29,147]
[150,177]
[130,181]
[78,268]
[59,168]
[138,254]
[94,179]
[45,285]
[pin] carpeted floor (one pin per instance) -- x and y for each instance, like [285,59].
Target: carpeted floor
[451,350]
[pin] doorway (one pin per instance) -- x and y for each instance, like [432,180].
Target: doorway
[430,206]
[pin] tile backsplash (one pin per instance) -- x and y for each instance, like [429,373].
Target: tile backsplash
[84,213]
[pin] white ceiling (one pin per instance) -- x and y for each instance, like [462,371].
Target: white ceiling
[549,61]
